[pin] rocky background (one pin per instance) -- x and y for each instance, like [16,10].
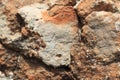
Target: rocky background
[59,40]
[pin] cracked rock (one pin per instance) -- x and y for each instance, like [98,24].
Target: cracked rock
[58,26]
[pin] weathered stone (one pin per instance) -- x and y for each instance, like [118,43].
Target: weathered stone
[51,3]
[85,7]
[102,34]
[58,28]
[14,35]
[6,35]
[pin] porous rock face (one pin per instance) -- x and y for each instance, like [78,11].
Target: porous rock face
[58,26]
[85,7]
[102,34]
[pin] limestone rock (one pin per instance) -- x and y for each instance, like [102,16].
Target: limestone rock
[102,34]
[85,7]
[58,26]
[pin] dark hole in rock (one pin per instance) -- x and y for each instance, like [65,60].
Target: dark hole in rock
[37,19]
[20,20]
[58,55]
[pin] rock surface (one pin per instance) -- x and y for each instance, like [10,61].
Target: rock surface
[102,33]
[30,28]
[59,30]
[6,35]
[16,36]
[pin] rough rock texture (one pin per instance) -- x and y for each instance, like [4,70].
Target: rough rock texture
[16,36]
[85,7]
[61,2]
[94,55]
[102,34]
[5,30]
[51,3]
[59,30]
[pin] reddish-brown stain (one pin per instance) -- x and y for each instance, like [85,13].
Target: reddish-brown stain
[60,15]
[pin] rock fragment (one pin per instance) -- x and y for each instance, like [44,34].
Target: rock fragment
[85,7]
[58,26]
[102,34]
